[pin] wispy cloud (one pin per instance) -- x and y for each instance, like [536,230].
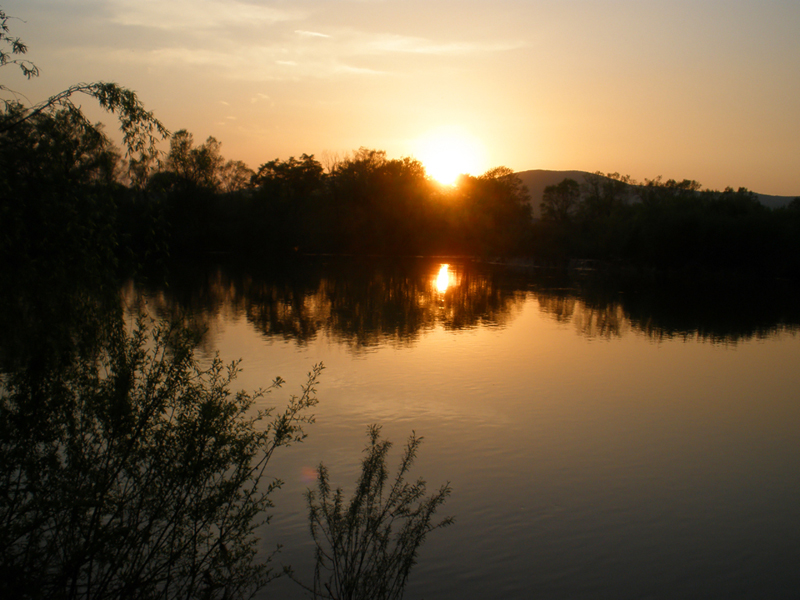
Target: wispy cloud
[389,43]
[170,57]
[351,70]
[240,40]
[196,14]
[311,33]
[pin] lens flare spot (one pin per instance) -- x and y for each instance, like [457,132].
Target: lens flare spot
[308,474]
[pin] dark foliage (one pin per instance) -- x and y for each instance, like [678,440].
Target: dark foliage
[366,548]
[131,472]
[670,226]
[365,204]
[57,212]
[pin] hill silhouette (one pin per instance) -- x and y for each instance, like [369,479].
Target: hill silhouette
[536,180]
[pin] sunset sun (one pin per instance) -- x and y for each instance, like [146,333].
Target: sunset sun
[447,154]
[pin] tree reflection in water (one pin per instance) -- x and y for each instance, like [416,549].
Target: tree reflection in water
[358,304]
[364,303]
[719,312]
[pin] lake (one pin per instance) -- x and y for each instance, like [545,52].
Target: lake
[602,440]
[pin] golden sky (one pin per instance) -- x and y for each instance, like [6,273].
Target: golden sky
[705,90]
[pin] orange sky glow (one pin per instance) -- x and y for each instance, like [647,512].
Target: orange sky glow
[705,90]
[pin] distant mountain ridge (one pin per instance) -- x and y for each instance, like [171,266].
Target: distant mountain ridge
[538,179]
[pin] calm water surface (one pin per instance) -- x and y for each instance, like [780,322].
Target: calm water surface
[631,443]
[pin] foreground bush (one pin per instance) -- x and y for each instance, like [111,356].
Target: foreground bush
[135,473]
[365,549]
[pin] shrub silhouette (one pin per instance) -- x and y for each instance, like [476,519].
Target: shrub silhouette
[365,549]
[135,473]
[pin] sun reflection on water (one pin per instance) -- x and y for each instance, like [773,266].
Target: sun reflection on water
[443,279]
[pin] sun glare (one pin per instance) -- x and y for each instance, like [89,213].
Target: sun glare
[448,154]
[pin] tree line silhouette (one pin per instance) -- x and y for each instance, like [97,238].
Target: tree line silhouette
[364,203]
[667,225]
[74,181]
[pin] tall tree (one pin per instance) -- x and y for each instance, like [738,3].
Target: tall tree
[195,166]
[603,193]
[560,201]
[493,212]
